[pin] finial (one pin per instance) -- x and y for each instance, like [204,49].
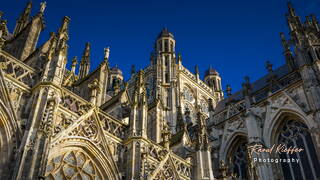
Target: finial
[133,69]
[269,66]
[197,69]
[308,21]
[63,30]
[291,9]
[228,90]
[74,60]
[43,6]
[106,53]
[179,57]
[284,42]
[246,86]
[86,50]
[74,63]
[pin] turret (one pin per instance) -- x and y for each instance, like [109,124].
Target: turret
[85,62]
[164,56]
[213,80]
[115,81]
[165,42]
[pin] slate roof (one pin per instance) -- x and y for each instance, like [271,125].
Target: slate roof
[257,85]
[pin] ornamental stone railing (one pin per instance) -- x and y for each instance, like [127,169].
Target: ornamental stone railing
[16,70]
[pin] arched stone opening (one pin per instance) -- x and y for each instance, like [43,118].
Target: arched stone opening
[290,130]
[79,159]
[237,157]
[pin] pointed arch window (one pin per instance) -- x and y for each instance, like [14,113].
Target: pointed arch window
[295,133]
[238,161]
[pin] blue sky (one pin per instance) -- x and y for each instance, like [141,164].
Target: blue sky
[235,37]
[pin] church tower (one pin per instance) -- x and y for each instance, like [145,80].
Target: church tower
[164,61]
[213,80]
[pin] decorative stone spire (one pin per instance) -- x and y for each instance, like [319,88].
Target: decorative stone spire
[284,42]
[202,135]
[23,20]
[287,52]
[196,69]
[116,87]
[63,30]
[247,88]
[140,96]
[63,36]
[228,90]
[179,58]
[106,53]
[74,64]
[95,89]
[85,62]
[43,6]
[315,22]
[133,70]
[291,10]
[269,66]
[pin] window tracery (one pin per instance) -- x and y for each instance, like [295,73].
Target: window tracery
[72,165]
[188,95]
[294,133]
[239,160]
[204,107]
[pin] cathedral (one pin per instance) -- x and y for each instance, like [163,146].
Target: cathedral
[164,122]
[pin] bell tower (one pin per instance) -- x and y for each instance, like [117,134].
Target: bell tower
[165,56]
[163,60]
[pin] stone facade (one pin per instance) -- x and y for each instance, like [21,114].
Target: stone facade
[163,123]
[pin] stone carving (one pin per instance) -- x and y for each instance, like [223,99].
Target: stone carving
[73,164]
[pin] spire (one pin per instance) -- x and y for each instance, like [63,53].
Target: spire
[139,91]
[269,66]
[106,53]
[228,90]
[196,69]
[247,88]
[315,22]
[74,64]
[284,42]
[202,135]
[85,61]
[133,70]
[63,30]
[179,58]
[291,10]
[63,36]
[287,52]
[23,20]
